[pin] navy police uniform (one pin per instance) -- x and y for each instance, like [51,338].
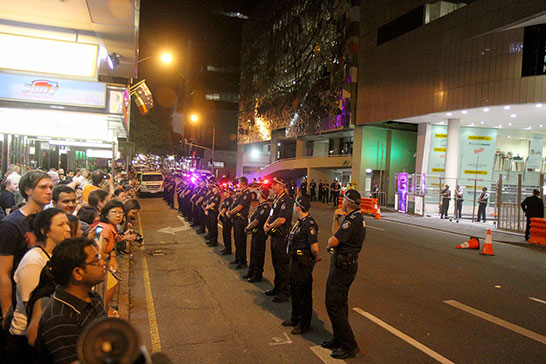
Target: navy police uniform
[282,208]
[343,269]
[301,237]
[239,222]
[226,225]
[213,218]
[257,244]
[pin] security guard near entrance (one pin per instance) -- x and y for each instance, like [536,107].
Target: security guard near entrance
[239,220]
[344,245]
[532,206]
[278,227]
[259,237]
[304,252]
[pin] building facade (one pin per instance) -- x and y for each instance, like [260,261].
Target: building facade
[61,104]
[470,77]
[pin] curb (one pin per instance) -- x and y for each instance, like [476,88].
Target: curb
[521,244]
[123,293]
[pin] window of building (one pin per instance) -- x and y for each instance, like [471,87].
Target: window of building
[223,96]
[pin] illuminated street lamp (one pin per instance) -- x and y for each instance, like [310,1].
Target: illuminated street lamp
[166,58]
[194,118]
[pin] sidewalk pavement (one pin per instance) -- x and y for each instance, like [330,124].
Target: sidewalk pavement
[464,227]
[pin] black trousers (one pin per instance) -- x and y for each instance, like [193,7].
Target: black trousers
[337,291]
[240,236]
[458,209]
[226,233]
[281,265]
[3,335]
[301,289]
[203,219]
[17,350]
[335,198]
[313,195]
[195,213]
[444,209]
[481,211]
[528,228]
[213,226]
[257,254]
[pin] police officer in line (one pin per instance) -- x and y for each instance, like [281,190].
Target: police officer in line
[532,206]
[259,237]
[203,218]
[304,253]
[226,222]
[239,219]
[179,191]
[187,194]
[211,210]
[278,226]
[197,198]
[344,245]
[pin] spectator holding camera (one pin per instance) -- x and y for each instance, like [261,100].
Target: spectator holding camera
[98,178]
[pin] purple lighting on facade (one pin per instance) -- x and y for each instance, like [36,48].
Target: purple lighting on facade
[402,191]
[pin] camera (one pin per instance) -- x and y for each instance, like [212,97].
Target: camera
[115,341]
[139,238]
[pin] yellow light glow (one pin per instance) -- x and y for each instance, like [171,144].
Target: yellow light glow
[194,118]
[166,58]
[264,131]
[48,56]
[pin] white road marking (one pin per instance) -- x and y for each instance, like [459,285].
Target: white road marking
[324,355]
[537,300]
[181,219]
[373,227]
[281,340]
[171,230]
[507,325]
[152,319]
[404,337]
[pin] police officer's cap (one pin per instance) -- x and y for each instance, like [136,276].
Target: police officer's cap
[352,196]
[279,181]
[304,203]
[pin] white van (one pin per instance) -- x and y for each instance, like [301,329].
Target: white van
[151,183]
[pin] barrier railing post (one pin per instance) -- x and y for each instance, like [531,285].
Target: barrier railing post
[518,201]
[499,200]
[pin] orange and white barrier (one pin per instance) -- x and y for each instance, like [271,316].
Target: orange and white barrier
[472,243]
[538,231]
[488,245]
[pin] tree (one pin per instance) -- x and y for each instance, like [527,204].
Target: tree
[294,63]
[152,133]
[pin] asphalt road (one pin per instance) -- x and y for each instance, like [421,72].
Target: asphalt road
[416,299]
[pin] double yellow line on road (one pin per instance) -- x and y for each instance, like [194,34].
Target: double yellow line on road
[152,319]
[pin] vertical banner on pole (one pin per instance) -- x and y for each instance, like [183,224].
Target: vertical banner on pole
[535,151]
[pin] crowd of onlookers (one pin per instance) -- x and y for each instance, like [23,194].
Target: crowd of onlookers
[60,237]
[324,191]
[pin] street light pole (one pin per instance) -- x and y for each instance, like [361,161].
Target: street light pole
[213,141]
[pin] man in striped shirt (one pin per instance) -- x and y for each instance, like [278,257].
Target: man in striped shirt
[77,267]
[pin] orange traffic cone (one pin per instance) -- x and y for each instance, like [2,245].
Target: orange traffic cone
[473,243]
[488,245]
[378,213]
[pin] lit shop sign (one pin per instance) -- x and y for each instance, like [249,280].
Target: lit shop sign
[56,124]
[39,55]
[52,90]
